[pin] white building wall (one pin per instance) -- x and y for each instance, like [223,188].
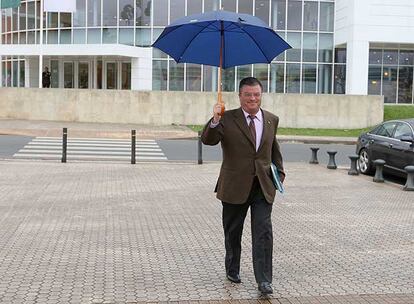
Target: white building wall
[32,73]
[360,22]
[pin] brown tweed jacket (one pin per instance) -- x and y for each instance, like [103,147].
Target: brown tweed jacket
[241,162]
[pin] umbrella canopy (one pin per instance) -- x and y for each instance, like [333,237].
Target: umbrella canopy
[201,38]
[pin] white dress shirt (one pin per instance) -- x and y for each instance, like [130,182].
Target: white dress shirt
[258,123]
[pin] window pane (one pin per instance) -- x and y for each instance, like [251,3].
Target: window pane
[210,76]
[22,18]
[243,72]
[402,130]
[83,75]
[340,55]
[68,75]
[176,76]
[143,12]
[293,54]
[54,73]
[228,80]
[294,19]
[327,17]
[99,75]
[406,58]
[405,85]
[260,72]
[310,16]
[109,35]
[94,12]
[109,13]
[79,16]
[390,57]
[262,10]
[15,19]
[111,75]
[94,36]
[126,36]
[193,81]
[325,47]
[22,74]
[31,15]
[278,14]
[194,7]
[339,79]
[52,37]
[281,56]
[292,78]
[126,12]
[15,73]
[79,36]
[52,20]
[31,37]
[177,9]
[22,39]
[229,5]
[143,37]
[65,20]
[309,47]
[65,37]
[374,80]
[38,15]
[309,78]
[160,12]
[389,85]
[386,129]
[277,78]
[324,79]
[126,76]
[159,75]
[375,56]
[246,7]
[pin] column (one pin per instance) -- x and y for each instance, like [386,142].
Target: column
[141,73]
[357,67]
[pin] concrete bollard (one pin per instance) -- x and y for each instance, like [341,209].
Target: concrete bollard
[379,167]
[353,170]
[409,184]
[133,145]
[331,163]
[314,158]
[64,144]
[200,149]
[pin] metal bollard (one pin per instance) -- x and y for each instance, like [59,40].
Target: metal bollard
[409,184]
[314,158]
[353,170]
[200,149]
[379,167]
[331,163]
[64,144]
[133,141]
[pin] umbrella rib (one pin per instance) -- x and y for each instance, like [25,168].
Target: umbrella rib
[258,46]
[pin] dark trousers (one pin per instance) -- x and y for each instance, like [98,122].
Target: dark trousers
[262,236]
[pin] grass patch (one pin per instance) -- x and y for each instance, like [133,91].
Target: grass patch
[398,112]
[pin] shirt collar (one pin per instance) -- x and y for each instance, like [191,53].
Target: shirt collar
[259,115]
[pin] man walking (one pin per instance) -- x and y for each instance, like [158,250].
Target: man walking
[247,137]
[46,78]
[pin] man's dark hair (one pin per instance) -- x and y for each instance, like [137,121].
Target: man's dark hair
[250,81]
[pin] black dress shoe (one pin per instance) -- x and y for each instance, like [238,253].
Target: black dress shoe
[265,288]
[235,278]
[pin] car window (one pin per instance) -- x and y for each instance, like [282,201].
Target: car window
[386,129]
[402,130]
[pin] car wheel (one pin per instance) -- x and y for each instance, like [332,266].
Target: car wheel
[364,162]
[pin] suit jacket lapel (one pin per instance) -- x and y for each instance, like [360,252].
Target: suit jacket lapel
[267,128]
[240,121]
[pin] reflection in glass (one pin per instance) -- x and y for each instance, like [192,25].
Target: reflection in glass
[277,77]
[22,16]
[99,72]
[229,5]
[109,35]
[52,37]
[339,78]
[79,36]
[292,78]
[278,14]
[326,17]
[243,72]
[22,74]
[389,84]
[15,20]
[211,5]
[8,74]
[210,75]
[94,13]
[65,20]
[310,16]
[228,80]
[126,76]
[159,75]
[262,10]
[126,36]
[83,75]
[176,76]
[260,71]
[22,39]
[405,85]
[246,7]
[126,12]
[38,15]
[177,9]
[143,14]
[309,47]
[15,73]
[325,47]
[406,57]
[65,37]
[340,55]
[294,19]
[54,73]
[31,16]
[79,16]
[94,36]
[374,80]
[68,75]
[294,39]
[194,7]
[31,37]
[193,77]
[324,79]
[309,78]
[390,57]
[375,56]
[111,73]
[143,37]
[160,12]
[52,20]
[109,14]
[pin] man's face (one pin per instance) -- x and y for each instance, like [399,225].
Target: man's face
[250,98]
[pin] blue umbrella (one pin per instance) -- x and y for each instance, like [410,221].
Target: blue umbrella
[220,38]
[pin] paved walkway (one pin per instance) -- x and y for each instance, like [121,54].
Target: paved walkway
[92,232]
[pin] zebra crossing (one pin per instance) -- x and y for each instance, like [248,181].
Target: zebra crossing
[90,149]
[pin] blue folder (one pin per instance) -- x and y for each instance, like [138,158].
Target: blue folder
[276,178]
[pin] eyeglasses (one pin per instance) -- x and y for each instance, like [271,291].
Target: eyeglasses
[256,95]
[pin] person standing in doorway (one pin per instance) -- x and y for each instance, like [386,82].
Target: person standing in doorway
[46,78]
[248,140]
